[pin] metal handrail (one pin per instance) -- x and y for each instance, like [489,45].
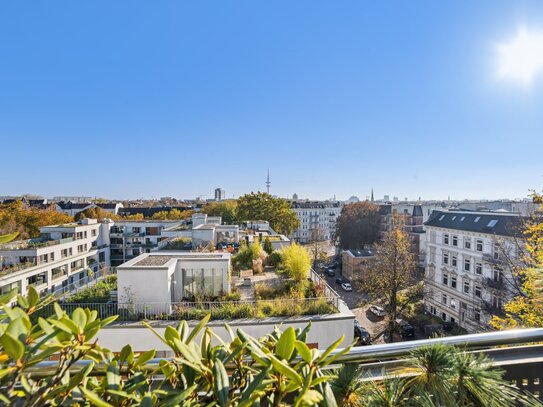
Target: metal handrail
[361,354]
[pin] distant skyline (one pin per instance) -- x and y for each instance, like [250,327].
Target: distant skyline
[134,99]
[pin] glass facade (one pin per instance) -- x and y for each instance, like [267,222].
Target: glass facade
[201,281]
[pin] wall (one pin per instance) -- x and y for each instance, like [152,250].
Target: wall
[146,285]
[324,331]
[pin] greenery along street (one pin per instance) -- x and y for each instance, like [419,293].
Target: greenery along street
[276,370]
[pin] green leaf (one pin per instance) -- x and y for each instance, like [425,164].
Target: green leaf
[79,318]
[109,320]
[196,330]
[171,333]
[145,357]
[12,346]
[220,383]
[33,297]
[22,301]
[127,354]
[64,325]
[285,345]
[94,398]
[58,310]
[286,370]
[329,398]
[303,350]
[8,297]
[179,398]
[331,348]
[256,383]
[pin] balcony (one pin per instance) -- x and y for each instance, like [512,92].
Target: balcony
[492,258]
[493,309]
[495,284]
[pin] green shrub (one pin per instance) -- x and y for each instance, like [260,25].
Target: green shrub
[274,259]
[97,293]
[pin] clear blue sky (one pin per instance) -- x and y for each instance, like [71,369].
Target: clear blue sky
[127,99]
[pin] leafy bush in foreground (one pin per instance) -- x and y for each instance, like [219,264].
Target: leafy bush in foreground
[276,370]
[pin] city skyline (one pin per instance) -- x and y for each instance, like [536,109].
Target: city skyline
[164,100]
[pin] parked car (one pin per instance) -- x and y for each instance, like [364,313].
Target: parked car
[377,310]
[347,287]
[339,281]
[330,272]
[404,328]
[362,335]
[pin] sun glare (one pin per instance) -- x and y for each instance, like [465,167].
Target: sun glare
[521,58]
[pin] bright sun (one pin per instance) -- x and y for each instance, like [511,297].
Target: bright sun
[521,58]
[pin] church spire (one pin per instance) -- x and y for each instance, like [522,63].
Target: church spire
[372,194]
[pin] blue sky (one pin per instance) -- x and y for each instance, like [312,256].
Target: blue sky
[147,99]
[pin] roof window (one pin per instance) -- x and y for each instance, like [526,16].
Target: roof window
[477,219]
[492,223]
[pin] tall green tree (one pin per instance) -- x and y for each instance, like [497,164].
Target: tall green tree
[358,225]
[227,210]
[263,206]
[391,274]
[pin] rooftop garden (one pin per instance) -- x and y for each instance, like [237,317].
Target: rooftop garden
[97,293]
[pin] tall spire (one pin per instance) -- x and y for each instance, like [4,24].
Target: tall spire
[268,183]
[372,194]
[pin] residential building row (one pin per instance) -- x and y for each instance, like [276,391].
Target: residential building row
[318,220]
[469,257]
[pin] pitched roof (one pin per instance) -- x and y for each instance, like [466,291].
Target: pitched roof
[480,222]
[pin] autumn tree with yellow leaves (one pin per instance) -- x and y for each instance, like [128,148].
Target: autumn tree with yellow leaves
[525,309]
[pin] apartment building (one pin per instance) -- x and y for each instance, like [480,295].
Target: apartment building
[60,257]
[131,238]
[467,278]
[317,220]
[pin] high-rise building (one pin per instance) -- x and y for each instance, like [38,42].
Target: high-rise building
[220,194]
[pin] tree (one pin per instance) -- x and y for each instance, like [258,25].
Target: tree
[316,245]
[227,210]
[391,274]
[525,309]
[17,217]
[296,262]
[268,247]
[358,225]
[95,212]
[174,214]
[263,206]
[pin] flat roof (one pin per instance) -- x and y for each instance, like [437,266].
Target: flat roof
[158,259]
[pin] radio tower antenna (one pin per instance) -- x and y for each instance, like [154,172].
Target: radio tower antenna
[268,183]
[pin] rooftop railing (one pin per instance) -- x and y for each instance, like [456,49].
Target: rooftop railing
[228,310]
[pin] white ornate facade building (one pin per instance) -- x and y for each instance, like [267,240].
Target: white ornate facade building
[317,219]
[467,276]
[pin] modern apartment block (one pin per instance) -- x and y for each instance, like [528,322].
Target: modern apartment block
[170,277]
[130,239]
[60,257]
[467,278]
[317,219]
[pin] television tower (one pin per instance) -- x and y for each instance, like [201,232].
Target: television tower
[268,183]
